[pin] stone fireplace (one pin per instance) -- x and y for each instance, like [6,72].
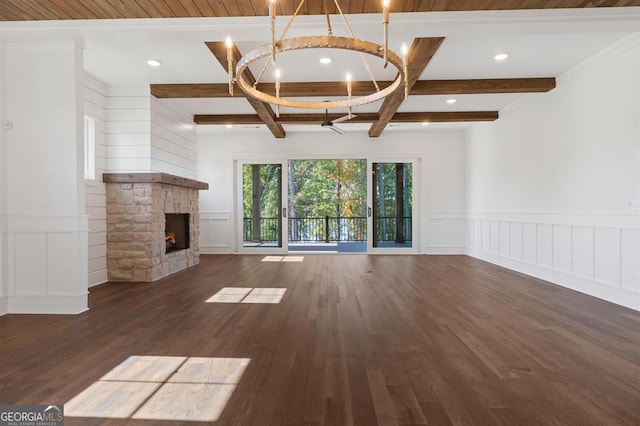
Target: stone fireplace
[152,225]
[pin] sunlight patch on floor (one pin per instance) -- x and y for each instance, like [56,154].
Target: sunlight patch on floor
[272,259]
[265,295]
[282,259]
[229,295]
[248,295]
[162,388]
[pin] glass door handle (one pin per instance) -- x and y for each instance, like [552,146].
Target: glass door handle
[368,211]
[284,212]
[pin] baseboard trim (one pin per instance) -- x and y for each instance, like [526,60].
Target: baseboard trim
[617,295]
[58,304]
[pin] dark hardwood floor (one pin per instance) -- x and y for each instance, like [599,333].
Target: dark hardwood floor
[364,340]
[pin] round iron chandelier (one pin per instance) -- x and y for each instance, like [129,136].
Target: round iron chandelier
[329,41]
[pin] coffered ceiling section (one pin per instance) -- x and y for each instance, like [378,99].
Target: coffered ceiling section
[24,10]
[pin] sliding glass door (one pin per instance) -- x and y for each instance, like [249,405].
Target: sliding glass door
[329,214]
[391,209]
[261,205]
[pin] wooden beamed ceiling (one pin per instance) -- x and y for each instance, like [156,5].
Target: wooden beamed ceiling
[31,10]
[420,53]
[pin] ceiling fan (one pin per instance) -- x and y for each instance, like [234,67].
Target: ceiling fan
[331,124]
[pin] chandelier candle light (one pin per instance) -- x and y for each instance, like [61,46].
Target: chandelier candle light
[229,45]
[385,30]
[278,91]
[405,51]
[349,93]
[329,41]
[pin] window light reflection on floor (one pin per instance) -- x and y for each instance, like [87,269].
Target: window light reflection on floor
[248,295]
[162,388]
[282,259]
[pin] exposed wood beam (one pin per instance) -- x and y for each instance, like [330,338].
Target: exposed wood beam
[361,88]
[399,117]
[264,110]
[482,86]
[420,53]
[444,117]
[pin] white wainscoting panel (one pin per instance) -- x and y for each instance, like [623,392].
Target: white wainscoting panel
[216,233]
[30,257]
[630,257]
[444,233]
[544,246]
[607,255]
[515,240]
[562,248]
[582,251]
[505,238]
[486,235]
[494,236]
[600,260]
[529,242]
[47,268]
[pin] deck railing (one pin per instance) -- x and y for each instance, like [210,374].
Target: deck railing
[326,229]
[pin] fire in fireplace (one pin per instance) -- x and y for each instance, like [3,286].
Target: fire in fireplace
[176,231]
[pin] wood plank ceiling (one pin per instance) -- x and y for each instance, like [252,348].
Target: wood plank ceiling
[28,10]
[21,10]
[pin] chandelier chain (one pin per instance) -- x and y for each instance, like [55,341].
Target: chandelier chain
[364,60]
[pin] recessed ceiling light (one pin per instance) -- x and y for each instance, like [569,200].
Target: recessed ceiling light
[501,56]
[153,63]
[228,126]
[452,101]
[425,123]
[325,60]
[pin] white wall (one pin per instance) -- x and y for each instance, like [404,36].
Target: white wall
[549,185]
[95,102]
[143,135]
[128,129]
[442,165]
[47,228]
[4,283]
[173,141]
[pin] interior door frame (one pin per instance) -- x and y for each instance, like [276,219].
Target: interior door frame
[416,165]
[239,213]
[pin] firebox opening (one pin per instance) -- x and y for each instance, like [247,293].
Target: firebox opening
[176,232]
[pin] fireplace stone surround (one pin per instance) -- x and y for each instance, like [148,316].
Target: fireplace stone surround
[136,207]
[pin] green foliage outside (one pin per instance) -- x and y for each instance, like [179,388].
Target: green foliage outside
[325,188]
[268,191]
[335,188]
